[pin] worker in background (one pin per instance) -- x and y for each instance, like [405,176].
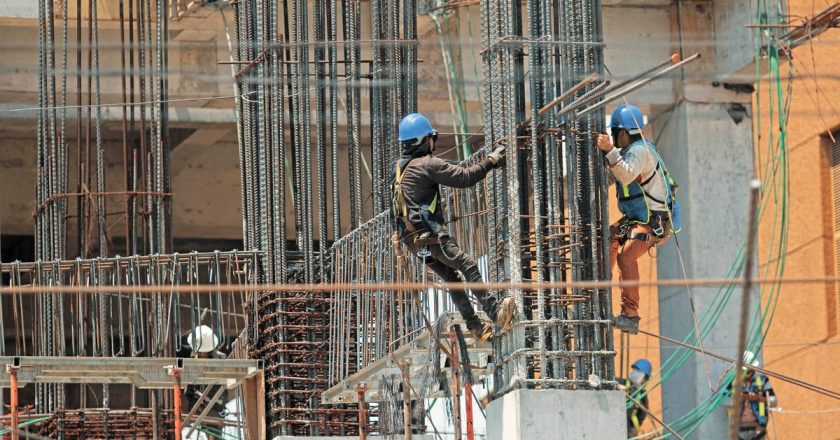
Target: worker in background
[758,398]
[646,199]
[634,385]
[203,343]
[417,210]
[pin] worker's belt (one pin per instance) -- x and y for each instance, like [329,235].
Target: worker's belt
[422,241]
[643,236]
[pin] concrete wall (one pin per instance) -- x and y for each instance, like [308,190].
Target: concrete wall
[557,415]
[713,171]
[18,9]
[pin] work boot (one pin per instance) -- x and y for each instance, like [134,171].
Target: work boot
[482,333]
[627,324]
[507,310]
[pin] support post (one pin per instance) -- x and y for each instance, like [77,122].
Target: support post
[468,409]
[406,392]
[456,386]
[176,390]
[13,389]
[361,389]
[737,395]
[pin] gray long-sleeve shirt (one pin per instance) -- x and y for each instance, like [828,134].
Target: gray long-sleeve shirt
[639,163]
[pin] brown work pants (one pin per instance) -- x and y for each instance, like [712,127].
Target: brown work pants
[627,256]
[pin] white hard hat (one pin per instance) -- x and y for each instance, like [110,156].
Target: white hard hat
[751,359]
[202,339]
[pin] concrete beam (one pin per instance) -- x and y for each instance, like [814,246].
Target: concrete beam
[558,415]
[711,157]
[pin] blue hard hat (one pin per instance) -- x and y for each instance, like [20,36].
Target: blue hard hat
[628,117]
[415,127]
[644,366]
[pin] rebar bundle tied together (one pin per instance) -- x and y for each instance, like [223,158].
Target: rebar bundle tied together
[550,222]
[304,67]
[105,423]
[368,324]
[74,210]
[143,187]
[129,324]
[529,221]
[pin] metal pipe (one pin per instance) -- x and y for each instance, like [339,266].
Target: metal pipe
[456,386]
[406,397]
[618,93]
[737,394]
[13,391]
[468,403]
[361,389]
[176,394]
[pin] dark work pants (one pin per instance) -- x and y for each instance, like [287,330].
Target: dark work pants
[446,261]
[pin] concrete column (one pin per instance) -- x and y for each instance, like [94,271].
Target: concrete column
[711,157]
[557,414]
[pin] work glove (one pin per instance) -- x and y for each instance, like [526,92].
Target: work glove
[497,157]
[603,143]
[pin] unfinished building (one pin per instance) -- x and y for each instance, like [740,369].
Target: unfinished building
[322,324]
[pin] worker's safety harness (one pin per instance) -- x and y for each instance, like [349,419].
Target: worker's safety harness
[400,211]
[622,230]
[634,411]
[633,204]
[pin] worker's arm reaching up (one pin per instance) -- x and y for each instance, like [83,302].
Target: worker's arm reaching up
[448,174]
[631,165]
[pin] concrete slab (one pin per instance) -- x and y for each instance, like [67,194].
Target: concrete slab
[557,414]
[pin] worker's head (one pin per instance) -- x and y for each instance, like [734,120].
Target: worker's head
[417,137]
[626,124]
[640,372]
[202,340]
[750,359]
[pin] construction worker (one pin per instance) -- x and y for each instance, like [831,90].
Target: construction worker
[418,213]
[646,200]
[758,398]
[634,385]
[202,343]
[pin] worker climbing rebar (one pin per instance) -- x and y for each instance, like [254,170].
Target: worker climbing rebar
[417,210]
[646,199]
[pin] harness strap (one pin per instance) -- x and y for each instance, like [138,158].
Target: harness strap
[432,207]
[644,236]
[651,176]
[634,412]
[400,173]
[652,197]
[760,385]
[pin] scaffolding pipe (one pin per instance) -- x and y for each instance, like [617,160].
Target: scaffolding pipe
[468,407]
[456,386]
[176,394]
[406,395]
[361,389]
[13,389]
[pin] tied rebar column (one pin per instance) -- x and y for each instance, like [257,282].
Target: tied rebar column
[300,74]
[548,227]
